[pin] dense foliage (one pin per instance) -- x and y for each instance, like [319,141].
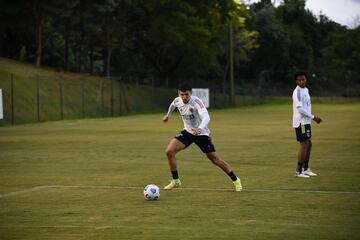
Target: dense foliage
[170,40]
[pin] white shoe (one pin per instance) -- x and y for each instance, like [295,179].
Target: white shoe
[301,175]
[309,172]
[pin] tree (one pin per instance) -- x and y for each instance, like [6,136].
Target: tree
[274,50]
[64,23]
[16,32]
[42,11]
[343,55]
[170,37]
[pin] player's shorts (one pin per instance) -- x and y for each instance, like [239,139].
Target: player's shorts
[202,141]
[303,132]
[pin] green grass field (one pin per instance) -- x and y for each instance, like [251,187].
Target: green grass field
[83,179]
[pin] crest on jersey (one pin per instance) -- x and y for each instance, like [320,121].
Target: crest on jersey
[191,110]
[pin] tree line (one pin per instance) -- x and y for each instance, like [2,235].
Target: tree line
[179,39]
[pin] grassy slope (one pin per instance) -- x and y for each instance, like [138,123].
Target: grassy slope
[83,96]
[76,89]
[258,142]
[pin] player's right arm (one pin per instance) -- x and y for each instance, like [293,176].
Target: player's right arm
[170,110]
[299,106]
[165,118]
[317,119]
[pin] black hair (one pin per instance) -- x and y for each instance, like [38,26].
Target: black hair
[185,87]
[300,73]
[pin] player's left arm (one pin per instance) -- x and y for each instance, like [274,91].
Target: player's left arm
[317,119]
[205,119]
[204,116]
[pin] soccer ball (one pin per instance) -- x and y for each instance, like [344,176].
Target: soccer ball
[151,192]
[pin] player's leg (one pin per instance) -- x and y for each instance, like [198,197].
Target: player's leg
[301,159]
[207,147]
[301,138]
[307,170]
[172,149]
[306,134]
[176,144]
[215,159]
[302,152]
[307,157]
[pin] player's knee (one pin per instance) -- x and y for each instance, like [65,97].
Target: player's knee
[169,152]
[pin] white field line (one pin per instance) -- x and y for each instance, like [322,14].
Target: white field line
[45,187]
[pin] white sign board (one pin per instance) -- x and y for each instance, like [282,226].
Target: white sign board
[203,94]
[1,105]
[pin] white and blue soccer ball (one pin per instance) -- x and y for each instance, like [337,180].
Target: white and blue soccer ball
[151,192]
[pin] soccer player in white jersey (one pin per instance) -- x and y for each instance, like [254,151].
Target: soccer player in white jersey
[196,118]
[302,123]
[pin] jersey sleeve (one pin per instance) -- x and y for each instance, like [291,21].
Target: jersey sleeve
[297,98]
[171,108]
[205,119]
[203,113]
[299,105]
[305,112]
[200,106]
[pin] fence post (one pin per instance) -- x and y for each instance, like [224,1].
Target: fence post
[12,100]
[120,98]
[38,97]
[112,96]
[153,95]
[102,97]
[83,98]
[61,99]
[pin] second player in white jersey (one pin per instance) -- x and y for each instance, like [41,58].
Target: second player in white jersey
[301,106]
[302,117]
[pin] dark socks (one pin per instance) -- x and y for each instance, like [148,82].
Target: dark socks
[299,167]
[306,165]
[232,175]
[175,174]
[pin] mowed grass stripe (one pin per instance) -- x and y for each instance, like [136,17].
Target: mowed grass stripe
[38,188]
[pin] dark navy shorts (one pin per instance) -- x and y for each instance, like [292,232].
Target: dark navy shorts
[202,141]
[303,132]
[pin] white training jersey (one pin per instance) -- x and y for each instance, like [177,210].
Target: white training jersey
[192,113]
[301,107]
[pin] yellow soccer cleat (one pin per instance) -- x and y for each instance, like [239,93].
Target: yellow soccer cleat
[174,183]
[237,184]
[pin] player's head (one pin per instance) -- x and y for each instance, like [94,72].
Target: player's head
[300,79]
[185,92]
